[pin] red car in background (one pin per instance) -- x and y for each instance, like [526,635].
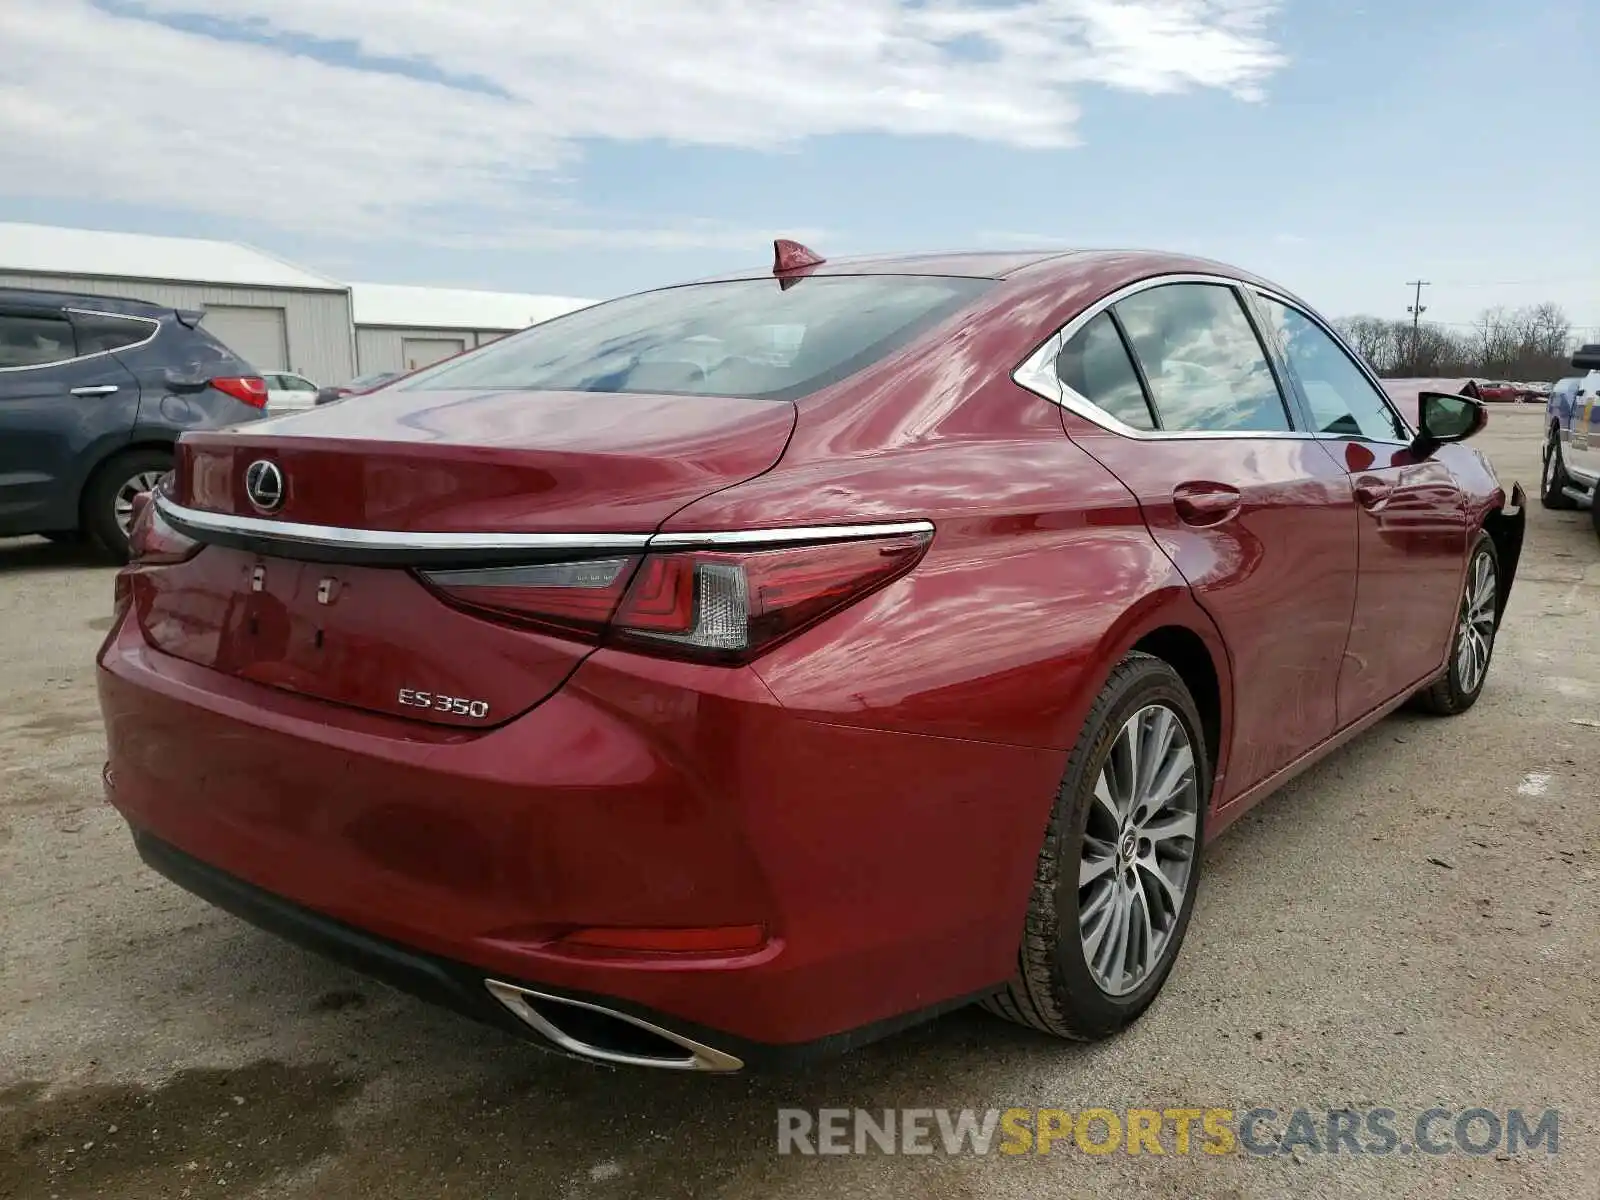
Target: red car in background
[1498,391]
[763,664]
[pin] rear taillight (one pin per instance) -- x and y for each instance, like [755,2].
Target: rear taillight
[575,597]
[152,542]
[706,604]
[251,389]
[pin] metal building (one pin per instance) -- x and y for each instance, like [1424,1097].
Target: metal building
[273,314]
[402,328]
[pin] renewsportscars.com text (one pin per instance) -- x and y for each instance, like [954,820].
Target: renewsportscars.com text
[1258,1131]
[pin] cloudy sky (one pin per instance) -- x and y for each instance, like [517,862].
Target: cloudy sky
[1341,147]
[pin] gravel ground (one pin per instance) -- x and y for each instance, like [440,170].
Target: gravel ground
[1412,922]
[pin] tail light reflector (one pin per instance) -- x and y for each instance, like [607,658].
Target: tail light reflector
[711,605]
[251,389]
[723,939]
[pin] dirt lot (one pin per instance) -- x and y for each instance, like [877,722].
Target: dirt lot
[1413,922]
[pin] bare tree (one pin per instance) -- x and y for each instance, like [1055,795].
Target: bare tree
[1533,343]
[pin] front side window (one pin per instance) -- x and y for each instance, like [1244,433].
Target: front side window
[34,341]
[759,338]
[1095,364]
[1343,401]
[1206,368]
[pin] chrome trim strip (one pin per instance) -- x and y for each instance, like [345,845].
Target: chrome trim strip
[194,521]
[77,358]
[786,536]
[1037,373]
[699,1057]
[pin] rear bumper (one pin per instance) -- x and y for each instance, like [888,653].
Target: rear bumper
[889,870]
[460,987]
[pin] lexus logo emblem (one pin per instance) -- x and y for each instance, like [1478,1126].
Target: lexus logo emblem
[263,483]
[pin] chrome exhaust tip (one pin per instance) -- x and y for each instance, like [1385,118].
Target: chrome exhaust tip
[604,1035]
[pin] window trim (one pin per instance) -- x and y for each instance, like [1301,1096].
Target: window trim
[1037,373]
[1266,293]
[67,314]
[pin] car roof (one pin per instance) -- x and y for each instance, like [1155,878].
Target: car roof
[111,304]
[974,264]
[1036,266]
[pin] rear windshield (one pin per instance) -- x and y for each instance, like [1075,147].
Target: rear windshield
[748,337]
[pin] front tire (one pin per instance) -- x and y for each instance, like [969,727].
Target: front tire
[108,500]
[1472,647]
[1554,477]
[1116,879]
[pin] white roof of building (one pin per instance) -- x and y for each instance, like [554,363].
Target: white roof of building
[405,307]
[51,250]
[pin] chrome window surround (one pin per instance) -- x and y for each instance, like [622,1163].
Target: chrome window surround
[199,523]
[155,328]
[1037,372]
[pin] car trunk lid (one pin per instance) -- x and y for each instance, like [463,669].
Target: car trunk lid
[299,601]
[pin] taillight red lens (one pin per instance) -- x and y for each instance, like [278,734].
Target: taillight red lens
[251,389]
[733,606]
[153,543]
[575,597]
[714,605]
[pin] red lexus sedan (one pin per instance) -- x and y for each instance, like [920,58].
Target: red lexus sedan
[762,664]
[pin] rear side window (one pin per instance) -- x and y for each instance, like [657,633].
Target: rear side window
[35,341]
[98,333]
[753,337]
[1095,364]
[1206,368]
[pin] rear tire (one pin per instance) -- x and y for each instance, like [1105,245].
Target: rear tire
[1554,477]
[108,497]
[1114,847]
[1472,646]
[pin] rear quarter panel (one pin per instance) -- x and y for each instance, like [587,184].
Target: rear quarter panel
[163,416]
[1040,576]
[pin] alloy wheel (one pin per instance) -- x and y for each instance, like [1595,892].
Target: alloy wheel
[1139,850]
[122,504]
[1475,633]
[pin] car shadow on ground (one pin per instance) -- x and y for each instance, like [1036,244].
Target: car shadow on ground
[22,555]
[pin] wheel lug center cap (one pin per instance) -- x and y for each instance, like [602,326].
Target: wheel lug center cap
[1129,847]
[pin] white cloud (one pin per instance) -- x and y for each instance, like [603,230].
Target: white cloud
[126,109]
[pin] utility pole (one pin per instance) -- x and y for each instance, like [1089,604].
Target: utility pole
[1416,310]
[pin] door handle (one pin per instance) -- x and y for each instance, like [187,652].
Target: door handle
[1372,494]
[1205,503]
[101,389]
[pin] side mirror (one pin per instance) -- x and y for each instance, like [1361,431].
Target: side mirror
[1445,417]
[1587,358]
[184,385]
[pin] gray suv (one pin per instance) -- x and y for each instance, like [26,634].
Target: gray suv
[94,392]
